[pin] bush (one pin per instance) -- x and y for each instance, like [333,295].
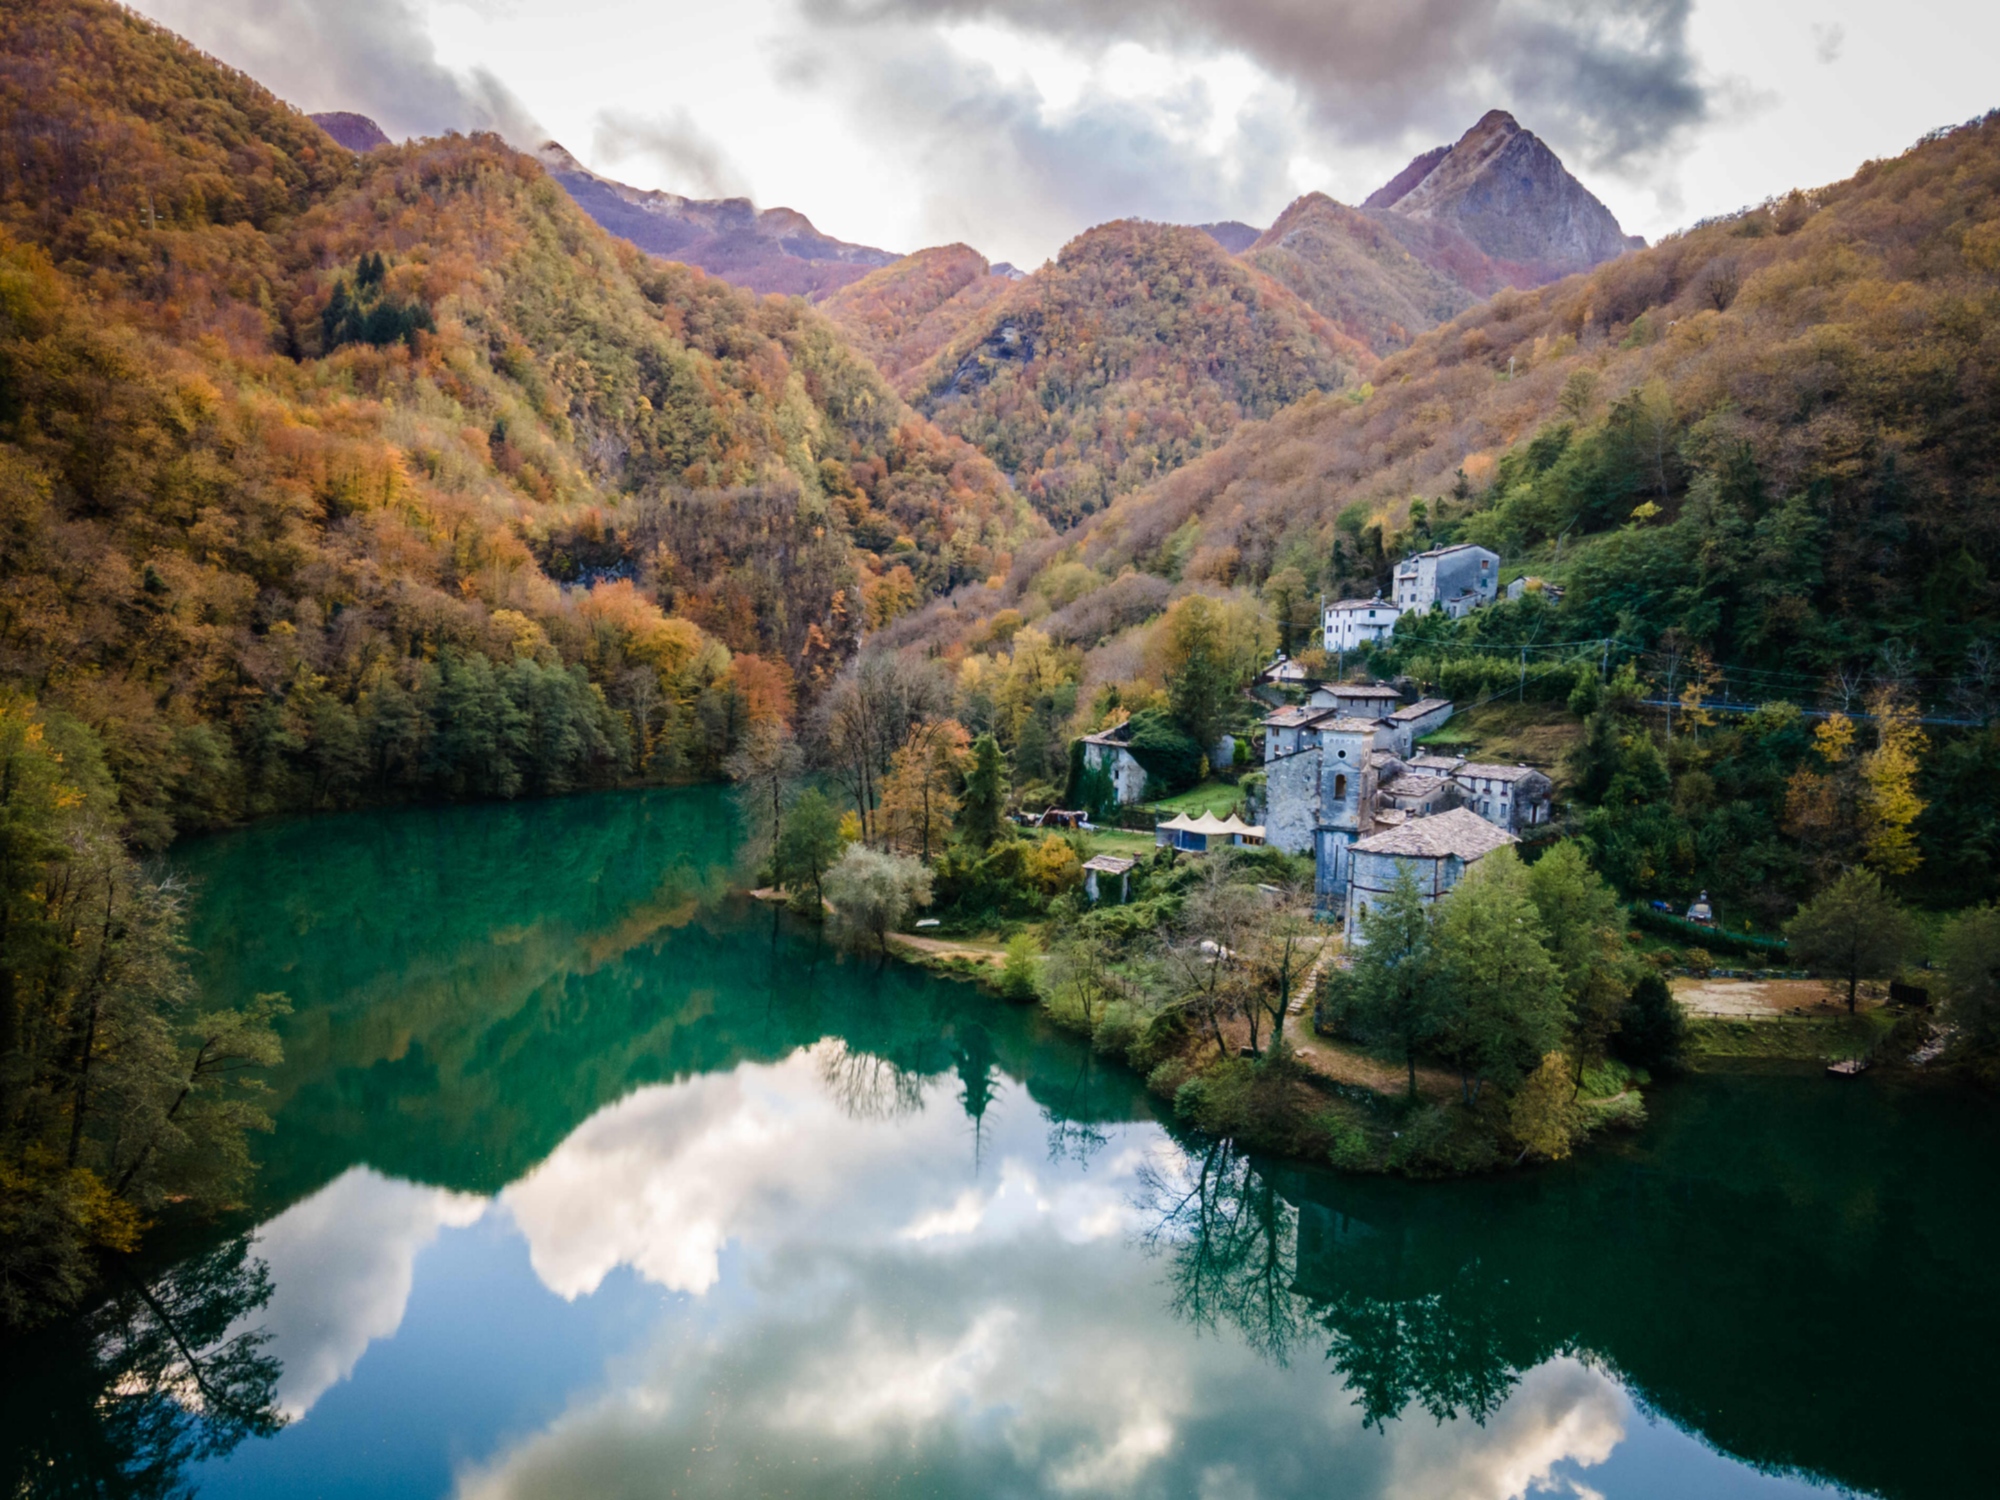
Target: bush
[1172,760]
[872,893]
[1711,937]
[1443,1140]
[1017,973]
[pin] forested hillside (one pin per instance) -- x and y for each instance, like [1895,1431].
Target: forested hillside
[903,314]
[1350,267]
[1139,348]
[329,479]
[1759,459]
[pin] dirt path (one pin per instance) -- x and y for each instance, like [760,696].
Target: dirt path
[1761,999]
[949,948]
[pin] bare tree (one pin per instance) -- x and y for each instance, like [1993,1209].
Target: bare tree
[867,715]
[764,767]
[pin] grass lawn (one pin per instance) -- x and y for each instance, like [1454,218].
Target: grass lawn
[1125,841]
[1216,797]
[1535,734]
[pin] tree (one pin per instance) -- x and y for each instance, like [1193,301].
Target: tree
[872,892]
[764,767]
[1201,670]
[1500,1004]
[1543,1115]
[1079,979]
[920,793]
[1018,980]
[1853,930]
[1285,591]
[1395,972]
[982,811]
[1652,1031]
[1970,957]
[1281,950]
[1584,924]
[808,845]
[1889,802]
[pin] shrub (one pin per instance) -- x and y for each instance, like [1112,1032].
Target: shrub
[1017,973]
[873,892]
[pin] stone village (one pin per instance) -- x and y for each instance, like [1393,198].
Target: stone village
[1345,777]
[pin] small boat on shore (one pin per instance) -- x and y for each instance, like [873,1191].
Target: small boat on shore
[1848,1067]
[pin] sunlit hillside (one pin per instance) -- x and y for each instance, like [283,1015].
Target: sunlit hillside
[1773,434]
[1139,348]
[331,478]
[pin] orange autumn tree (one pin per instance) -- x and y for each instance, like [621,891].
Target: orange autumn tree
[920,793]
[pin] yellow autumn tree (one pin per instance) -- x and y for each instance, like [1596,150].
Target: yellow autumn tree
[1889,801]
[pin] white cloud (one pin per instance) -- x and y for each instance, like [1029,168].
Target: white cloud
[342,1263]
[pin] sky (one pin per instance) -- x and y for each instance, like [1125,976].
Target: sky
[1013,125]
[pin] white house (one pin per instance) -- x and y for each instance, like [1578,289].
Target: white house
[1505,796]
[1355,622]
[1107,750]
[1460,579]
[1438,850]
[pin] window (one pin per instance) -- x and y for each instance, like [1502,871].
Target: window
[1340,788]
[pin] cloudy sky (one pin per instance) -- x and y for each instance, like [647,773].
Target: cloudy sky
[1014,124]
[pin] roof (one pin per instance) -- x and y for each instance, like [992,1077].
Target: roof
[1496,773]
[1118,734]
[1445,552]
[1292,718]
[1455,834]
[1344,725]
[1445,763]
[1412,784]
[1357,689]
[1109,864]
[1420,708]
[1208,823]
[1378,602]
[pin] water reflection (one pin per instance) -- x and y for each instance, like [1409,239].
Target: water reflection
[161,1376]
[591,1180]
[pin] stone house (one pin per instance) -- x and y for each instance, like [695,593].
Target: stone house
[1457,579]
[1356,622]
[1412,722]
[1512,797]
[1357,700]
[1438,850]
[1117,872]
[1107,750]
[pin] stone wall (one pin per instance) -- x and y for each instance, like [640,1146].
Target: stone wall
[1291,801]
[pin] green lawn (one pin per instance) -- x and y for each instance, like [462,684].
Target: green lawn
[1217,797]
[1123,841]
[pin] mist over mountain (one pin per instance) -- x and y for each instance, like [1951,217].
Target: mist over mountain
[356,132]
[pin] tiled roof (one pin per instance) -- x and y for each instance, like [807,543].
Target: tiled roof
[1412,784]
[1109,864]
[1293,718]
[1496,773]
[1458,833]
[1378,602]
[1445,763]
[1117,734]
[1421,707]
[1356,689]
[1344,725]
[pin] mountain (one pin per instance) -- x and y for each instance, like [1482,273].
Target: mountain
[1496,209]
[1351,266]
[1509,194]
[1771,436]
[1232,234]
[1140,347]
[772,250]
[332,479]
[902,314]
[355,132]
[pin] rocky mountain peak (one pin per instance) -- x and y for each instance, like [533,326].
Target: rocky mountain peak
[1502,188]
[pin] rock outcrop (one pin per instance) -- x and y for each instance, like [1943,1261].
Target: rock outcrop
[357,133]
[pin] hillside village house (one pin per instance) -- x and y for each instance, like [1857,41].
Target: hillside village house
[1357,700]
[1506,796]
[1107,750]
[1436,850]
[1356,622]
[1458,579]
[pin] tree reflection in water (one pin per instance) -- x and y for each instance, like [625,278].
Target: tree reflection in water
[1234,1247]
[118,1404]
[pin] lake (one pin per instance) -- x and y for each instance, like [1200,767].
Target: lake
[590,1178]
